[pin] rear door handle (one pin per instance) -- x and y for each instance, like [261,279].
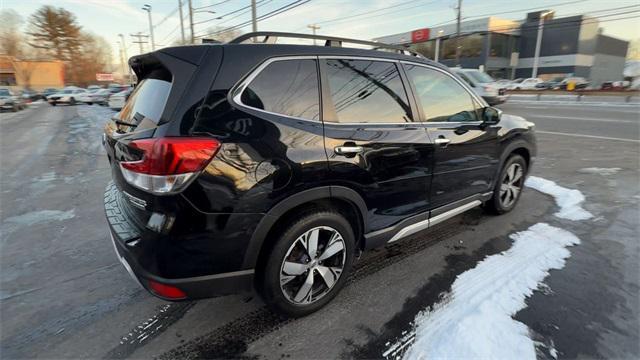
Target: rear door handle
[442,141]
[348,150]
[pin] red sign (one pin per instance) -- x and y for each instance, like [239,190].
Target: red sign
[104,77]
[420,35]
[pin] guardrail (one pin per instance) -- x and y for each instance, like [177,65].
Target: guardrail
[577,95]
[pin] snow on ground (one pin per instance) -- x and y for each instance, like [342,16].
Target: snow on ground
[568,200]
[475,320]
[601,171]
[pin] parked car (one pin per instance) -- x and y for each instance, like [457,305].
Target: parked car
[579,82]
[228,176]
[549,84]
[68,95]
[116,101]
[503,83]
[483,84]
[31,95]
[9,100]
[100,97]
[527,84]
[49,91]
[93,88]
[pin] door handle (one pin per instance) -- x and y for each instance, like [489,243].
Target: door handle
[348,150]
[442,141]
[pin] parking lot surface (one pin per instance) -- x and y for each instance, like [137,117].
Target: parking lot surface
[65,295]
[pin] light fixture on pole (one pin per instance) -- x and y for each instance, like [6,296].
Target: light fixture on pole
[147,8]
[536,56]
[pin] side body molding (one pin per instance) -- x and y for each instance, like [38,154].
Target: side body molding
[271,217]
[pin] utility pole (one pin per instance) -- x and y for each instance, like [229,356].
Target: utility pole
[191,21]
[126,58]
[313,28]
[139,36]
[254,22]
[459,17]
[147,8]
[181,23]
[122,66]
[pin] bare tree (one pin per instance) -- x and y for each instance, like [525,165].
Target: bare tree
[11,42]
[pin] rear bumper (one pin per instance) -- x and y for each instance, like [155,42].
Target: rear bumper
[144,254]
[194,287]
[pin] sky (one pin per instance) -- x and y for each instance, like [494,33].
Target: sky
[109,18]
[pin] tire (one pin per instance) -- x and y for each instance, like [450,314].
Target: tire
[507,191]
[327,275]
[89,103]
[53,104]
[14,108]
[72,101]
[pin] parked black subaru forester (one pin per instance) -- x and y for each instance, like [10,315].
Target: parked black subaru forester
[270,166]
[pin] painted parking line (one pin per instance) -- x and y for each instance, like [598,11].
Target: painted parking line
[587,136]
[582,118]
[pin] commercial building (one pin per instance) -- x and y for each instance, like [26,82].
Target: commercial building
[35,75]
[571,46]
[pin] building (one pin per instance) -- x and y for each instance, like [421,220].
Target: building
[31,74]
[571,46]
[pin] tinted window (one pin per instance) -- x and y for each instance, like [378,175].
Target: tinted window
[442,98]
[364,91]
[146,101]
[288,87]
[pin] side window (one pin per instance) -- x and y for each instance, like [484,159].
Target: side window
[466,79]
[442,98]
[365,91]
[287,87]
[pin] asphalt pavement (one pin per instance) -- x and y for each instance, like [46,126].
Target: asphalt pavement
[64,294]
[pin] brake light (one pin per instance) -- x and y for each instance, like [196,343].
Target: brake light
[168,163]
[166,291]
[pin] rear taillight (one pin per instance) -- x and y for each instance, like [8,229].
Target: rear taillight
[168,163]
[166,291]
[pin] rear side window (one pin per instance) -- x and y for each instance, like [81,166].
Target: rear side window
[287,87]
[366,91]
[147,101]
[442,98]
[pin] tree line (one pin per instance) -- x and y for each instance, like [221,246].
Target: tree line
[54,34]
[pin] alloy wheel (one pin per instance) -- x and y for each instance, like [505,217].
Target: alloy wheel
[511,185]
[313,265]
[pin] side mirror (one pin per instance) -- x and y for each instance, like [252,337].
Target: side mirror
[491,115]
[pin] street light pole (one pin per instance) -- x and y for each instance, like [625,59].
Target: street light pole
[191,21]
[437,55]
[254,21]
[181,23]
[536,56]
[147,8]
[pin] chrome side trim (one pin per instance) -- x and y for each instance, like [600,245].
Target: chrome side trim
[453,212]
[425,224]
[411,229]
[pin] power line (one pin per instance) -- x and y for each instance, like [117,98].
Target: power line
[268,15]
[223,15]
[260,3]
[173,12]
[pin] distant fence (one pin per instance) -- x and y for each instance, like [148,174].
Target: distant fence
[602,96]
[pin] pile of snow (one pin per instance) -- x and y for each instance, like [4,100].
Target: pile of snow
[568,200]
[475,321]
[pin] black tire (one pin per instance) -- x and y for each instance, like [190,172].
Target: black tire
[497,203]
[53,104]
[72,101]
[15,108]
[89,103]
[269,276]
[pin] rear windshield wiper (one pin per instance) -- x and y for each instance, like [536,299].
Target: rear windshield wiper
[120,122]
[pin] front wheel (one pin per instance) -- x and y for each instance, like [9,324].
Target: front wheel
[508,188]
[309,263]
[72,101]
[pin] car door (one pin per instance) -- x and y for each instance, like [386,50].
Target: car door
[465,151]
[372,141]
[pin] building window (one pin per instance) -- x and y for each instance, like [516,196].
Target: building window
[502,45]
[427,49]
[470,46]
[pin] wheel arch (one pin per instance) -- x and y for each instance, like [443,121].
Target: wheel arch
[346,201]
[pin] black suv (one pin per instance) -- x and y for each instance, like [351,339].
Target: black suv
[270,166]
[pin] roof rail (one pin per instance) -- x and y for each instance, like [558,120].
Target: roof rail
[271,37]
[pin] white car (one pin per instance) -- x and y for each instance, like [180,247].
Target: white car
[483,84]
[68,95]
[527,84]
[117,100]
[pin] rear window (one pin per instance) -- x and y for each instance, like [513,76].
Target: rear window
[147,101]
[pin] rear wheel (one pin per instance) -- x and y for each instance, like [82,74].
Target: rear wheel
[509,186]
[308,264]
[72,101]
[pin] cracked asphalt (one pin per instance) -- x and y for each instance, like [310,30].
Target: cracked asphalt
[63,294]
